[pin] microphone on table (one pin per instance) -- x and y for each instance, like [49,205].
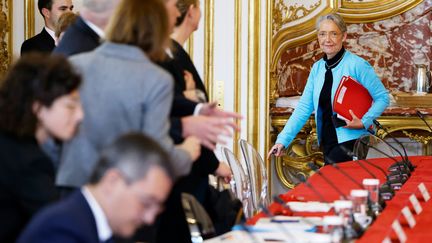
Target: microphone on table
[421,116]
[398,170]
[315,168]
[343,172]
[386,190]
[404,158]
[334,165]
[302,179]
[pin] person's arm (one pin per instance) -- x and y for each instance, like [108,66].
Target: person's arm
[300,115]
[368,78]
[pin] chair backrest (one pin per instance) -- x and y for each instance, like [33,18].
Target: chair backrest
[240,183]
[200,224]
[369,146]
[257,173]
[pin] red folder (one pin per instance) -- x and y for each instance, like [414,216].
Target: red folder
[351,95]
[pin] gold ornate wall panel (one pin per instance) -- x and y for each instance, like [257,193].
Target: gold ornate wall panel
[5,35]
[294,21]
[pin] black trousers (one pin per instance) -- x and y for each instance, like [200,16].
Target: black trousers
[339,152]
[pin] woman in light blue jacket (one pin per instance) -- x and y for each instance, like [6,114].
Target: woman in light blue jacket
[320,89]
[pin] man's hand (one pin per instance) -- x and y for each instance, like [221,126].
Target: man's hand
[224,171]
[192,146]
[355,123]
[277,150]
[211,109]
[207,129]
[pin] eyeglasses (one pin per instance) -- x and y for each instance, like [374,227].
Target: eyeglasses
[332,34]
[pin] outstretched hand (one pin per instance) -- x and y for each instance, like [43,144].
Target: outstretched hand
[211,109]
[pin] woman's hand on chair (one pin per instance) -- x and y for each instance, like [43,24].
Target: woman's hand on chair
[277,150]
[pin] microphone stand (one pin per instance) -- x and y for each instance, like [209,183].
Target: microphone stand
[421,116]
[405,158]
[400,168]
[315,168]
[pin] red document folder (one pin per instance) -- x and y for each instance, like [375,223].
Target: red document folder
[351,95]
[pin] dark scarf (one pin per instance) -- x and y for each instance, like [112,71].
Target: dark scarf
[328,132]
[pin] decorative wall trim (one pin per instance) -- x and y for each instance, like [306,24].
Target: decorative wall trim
[209,46]
[304,32]
[29,19]
[237,68]
[6,23]
[253,99]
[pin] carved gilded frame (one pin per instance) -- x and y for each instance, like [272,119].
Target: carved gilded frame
[304,32]
[5,35]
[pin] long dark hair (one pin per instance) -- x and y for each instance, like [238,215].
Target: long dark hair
[34,78]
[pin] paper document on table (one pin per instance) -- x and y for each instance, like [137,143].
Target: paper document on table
[310,206]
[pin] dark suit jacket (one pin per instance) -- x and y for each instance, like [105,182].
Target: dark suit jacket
[171,225]
[41,42]
[26,183]
[79,37]
[70,220]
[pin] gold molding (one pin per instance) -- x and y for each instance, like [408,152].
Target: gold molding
[253,79]
[290,13]
[375,11]
[190,46]
[10,36]
[352,13]
[237,68]
[29,19]
[269,7]
[6,36]
[209,47]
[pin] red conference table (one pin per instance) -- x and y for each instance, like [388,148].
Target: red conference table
[381,228]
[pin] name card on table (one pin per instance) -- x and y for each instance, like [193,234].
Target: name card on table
[399,231]
[424,191]
[409,217]
[416,204]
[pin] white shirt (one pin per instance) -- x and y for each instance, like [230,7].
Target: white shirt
[102,226]
[51,33]
[95,28]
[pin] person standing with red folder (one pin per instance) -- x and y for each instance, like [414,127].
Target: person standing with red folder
[320,89]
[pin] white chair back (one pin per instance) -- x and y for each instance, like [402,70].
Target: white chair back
[240,183]
[257,173]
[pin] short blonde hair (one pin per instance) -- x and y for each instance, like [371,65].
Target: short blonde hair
[142,23]
[65,20]
[336,18]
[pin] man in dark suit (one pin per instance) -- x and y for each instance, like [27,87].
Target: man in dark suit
[127,188]
[50,11]
[86,33]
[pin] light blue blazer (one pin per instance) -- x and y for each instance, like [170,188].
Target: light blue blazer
[351,65]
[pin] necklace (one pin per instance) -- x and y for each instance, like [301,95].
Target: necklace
[336,63]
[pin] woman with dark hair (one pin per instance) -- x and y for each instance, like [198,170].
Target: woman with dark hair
[39,100]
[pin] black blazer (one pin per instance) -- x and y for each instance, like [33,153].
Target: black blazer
[41,42]
[26,183]
[70,220]
[79,37]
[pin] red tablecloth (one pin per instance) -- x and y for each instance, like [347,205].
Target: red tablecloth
[381,228]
